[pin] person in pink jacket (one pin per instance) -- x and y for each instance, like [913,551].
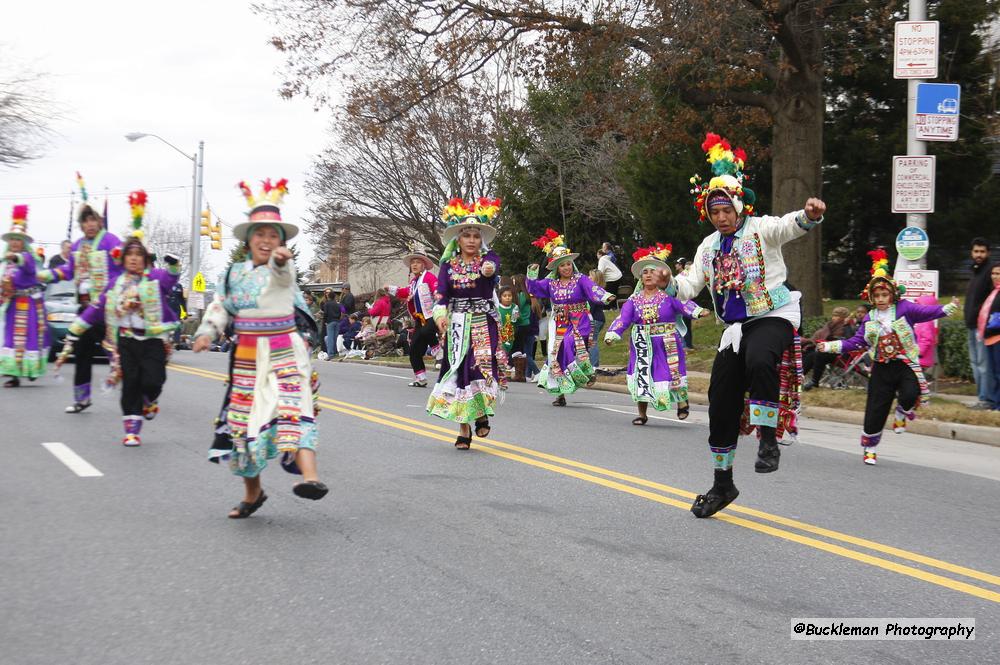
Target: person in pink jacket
[382,308]
[927,335]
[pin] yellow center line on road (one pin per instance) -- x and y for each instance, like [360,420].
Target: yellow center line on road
[501,449]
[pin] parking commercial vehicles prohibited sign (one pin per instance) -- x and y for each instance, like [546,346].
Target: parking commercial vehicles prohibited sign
[913,183]
[916,50]
[937,111]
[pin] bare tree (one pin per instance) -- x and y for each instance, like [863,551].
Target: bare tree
[763,55]
[386,184]
[25,114]
[169,236]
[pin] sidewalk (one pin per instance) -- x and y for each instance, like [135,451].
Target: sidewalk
[954,431]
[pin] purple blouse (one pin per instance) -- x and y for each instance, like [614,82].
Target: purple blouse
[457,280]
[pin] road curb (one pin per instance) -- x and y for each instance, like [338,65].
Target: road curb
[954,431]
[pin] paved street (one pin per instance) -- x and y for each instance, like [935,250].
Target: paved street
[564,538]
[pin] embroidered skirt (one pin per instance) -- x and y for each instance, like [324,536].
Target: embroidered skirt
[657,371]
[567,366]
[25,349]
[271,409]
[469,383]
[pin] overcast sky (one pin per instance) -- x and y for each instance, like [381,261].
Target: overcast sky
[185,70]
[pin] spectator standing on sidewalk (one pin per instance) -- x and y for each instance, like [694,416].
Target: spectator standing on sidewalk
[681,268]
[347,299]
[606,264]
[333,312]
[975,295]
[988,329]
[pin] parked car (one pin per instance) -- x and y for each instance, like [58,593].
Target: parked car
[60,307]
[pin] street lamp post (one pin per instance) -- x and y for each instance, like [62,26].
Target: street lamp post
[196,186]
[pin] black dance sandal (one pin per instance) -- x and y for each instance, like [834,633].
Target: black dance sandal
[419,383]
[483,425]
[463,442]
[77,407]
[559,401]
[683,410]
[245,510]
[311,489]
[641,420]
[707,505]
[12,382]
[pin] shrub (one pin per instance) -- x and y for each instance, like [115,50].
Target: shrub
[953,349]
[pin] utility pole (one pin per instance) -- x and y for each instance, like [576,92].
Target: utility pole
[918,12]
[196,186]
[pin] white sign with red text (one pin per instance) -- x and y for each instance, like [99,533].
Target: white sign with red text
[916,50]
[918,283]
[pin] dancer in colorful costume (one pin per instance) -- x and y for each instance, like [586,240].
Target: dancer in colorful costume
[742,265]
[270,407]
[467,388]
[887,332]
[419,296]
[92,268]
[25,332]
[139,322]
[657,371]
[567,366]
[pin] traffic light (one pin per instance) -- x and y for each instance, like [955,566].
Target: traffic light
[206,222]
[217,236]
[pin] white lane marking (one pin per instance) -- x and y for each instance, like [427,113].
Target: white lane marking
[391,376]
[634,412]
[76,464]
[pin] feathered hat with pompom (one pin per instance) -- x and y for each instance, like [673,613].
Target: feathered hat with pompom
[880,277]
[85,209]
[136,236]
[459,215]
[265,208]
[554,246]
[726,184]
[654,256]
[19,225]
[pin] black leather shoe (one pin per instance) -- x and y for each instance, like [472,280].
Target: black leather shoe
[715,500]
[767,457]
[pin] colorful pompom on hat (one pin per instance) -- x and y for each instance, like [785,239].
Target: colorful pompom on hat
[554,246]
[459,215]
[136,236]
[654,256]
[880,277]
[19,225]
[726,183]
[265,208]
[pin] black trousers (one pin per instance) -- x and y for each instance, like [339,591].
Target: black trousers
[755,368]
[424,337]
[84,351]
[891,380]
[816,363]
[144,371]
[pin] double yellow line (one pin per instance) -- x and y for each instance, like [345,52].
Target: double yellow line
[762,522]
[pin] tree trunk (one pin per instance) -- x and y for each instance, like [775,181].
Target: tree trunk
[797,154]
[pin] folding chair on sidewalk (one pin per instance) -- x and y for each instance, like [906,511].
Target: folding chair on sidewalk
[849,370]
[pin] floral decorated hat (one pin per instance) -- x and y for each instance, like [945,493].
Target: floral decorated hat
[726,184]
[265,208]
[19,225]
[85,209]
[459,215]
[880,277]
[654,256]
[554,246]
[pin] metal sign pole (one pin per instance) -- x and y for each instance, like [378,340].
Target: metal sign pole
[918,12]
